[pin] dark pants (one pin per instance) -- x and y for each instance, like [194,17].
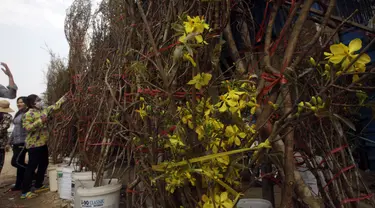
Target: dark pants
[38,158]
[2,158]
[18,161]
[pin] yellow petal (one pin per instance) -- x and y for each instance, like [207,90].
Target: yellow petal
[355,78]
[224,160]
[182,39]
[229,131]
[205,198]
[338,49]
[252,111]
[233,109]
[223,108]
[355,45]
[199,38]
[242,135]
[231,103]
[191,82]
[328,54]
[337,58]
[364,59]
[223,196]
[206,78]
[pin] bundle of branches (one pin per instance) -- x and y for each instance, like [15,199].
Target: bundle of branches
[150,97]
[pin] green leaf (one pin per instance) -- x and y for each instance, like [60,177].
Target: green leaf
[346,121]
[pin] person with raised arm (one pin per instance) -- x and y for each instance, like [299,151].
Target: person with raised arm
[35,122]
[9,92]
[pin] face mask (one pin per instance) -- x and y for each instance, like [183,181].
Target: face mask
[39,105]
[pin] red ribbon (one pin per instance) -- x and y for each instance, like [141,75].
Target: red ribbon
[274,79]
[356,199]
[338,174]
[282,33]
[261,31]
[333,152]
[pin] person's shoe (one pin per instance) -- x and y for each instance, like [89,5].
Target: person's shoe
[41,189]
[29,195]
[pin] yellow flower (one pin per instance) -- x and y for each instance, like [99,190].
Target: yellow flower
[341,53]
[176,178]
[196,25]
[215,145]
[200,80]
[223,160]
[230,101]
[212,172]
[142,111]
[187,120]
[234,134]
[220,201]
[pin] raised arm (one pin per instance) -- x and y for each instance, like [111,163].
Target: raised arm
[11,91]
[57,105]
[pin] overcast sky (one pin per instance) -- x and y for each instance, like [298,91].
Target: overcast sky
[27,29]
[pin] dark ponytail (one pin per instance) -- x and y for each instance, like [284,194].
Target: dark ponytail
[30,101]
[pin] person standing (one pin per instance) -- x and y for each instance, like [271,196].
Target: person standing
[5,121]
[9,92]
[17,140]
[35,122]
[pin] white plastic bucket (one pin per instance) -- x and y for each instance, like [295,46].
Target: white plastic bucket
[100,197]
[52,177]
[66,183]
[59,175]
[78,179]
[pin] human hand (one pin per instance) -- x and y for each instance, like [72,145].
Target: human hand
[6,69]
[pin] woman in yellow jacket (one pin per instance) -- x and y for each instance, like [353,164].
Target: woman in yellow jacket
[34,121]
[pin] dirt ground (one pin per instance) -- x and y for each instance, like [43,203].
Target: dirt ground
[12,199]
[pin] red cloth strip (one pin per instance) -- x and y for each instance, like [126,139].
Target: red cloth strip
[262,28]
[356,199]
[274,79]
[333,152]
[338,174]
